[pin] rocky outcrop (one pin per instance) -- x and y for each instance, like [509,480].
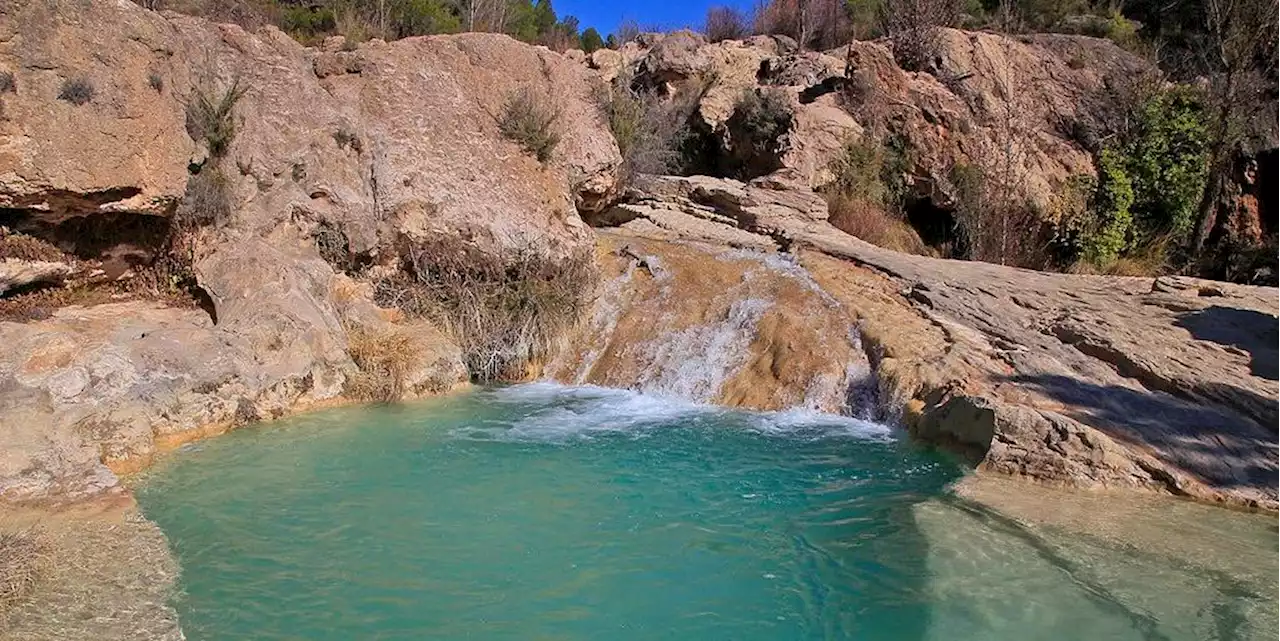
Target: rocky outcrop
[15,274]
[338,157]
[365,140]
[1038,101]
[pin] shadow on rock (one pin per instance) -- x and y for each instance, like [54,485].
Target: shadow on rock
[1252,331]
[1226,449]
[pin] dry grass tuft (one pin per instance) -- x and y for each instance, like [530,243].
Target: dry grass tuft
[506,314]
[1149,261]
[530,122]
[23,559]
[23,247]
[383,358]
[870,222]
[211,116]
[77,91]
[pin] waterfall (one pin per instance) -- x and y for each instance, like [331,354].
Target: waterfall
[712,325]
[694,363]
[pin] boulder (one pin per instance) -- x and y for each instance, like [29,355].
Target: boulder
[20,273]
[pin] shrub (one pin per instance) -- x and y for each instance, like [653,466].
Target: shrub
[726,23]
[7,82]
[820,24]
[306,23]
[913,26]
[423,17]
[1167,161]
[211,117]
[995,221]
[531,123]
[347,138]
[505,314]
[1121,30]
[757,127]
[383,358]
[655,134]
[590,40]
[23,556]
[872,170]
[76,91]
[23,247]
[206,201]
[870,222]
[865,195]
[155,82]
[627,31]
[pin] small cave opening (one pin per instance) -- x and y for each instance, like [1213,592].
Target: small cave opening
[112,256]
[936,226]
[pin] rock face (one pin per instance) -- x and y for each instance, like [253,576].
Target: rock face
[1036,100]
[400,135]
[377,150]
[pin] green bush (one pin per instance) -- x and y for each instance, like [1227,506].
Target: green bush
[305,23]
[1167,160]
[1149,184]
[1108,235]
[1121,30]
[531,123]
[424,17]
[760,120]
[7,82]
[591,40]
[872,170]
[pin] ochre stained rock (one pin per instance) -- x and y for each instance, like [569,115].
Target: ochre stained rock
[712,324]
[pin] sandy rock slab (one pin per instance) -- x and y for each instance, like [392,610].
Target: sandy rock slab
[103,572]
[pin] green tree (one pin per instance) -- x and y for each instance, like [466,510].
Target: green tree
[1167,161]
[591,40]
[424,17]
[544,19]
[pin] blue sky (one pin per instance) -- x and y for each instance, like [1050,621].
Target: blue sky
[605,15]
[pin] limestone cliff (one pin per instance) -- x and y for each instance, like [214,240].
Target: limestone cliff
[372,152]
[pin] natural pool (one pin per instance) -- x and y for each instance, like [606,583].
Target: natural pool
[546,512]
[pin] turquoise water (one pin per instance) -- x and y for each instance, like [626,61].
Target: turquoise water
[544,512]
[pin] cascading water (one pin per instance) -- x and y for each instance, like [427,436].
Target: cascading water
[710,325]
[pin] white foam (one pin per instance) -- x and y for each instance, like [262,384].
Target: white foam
[695,362]
[558,413]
